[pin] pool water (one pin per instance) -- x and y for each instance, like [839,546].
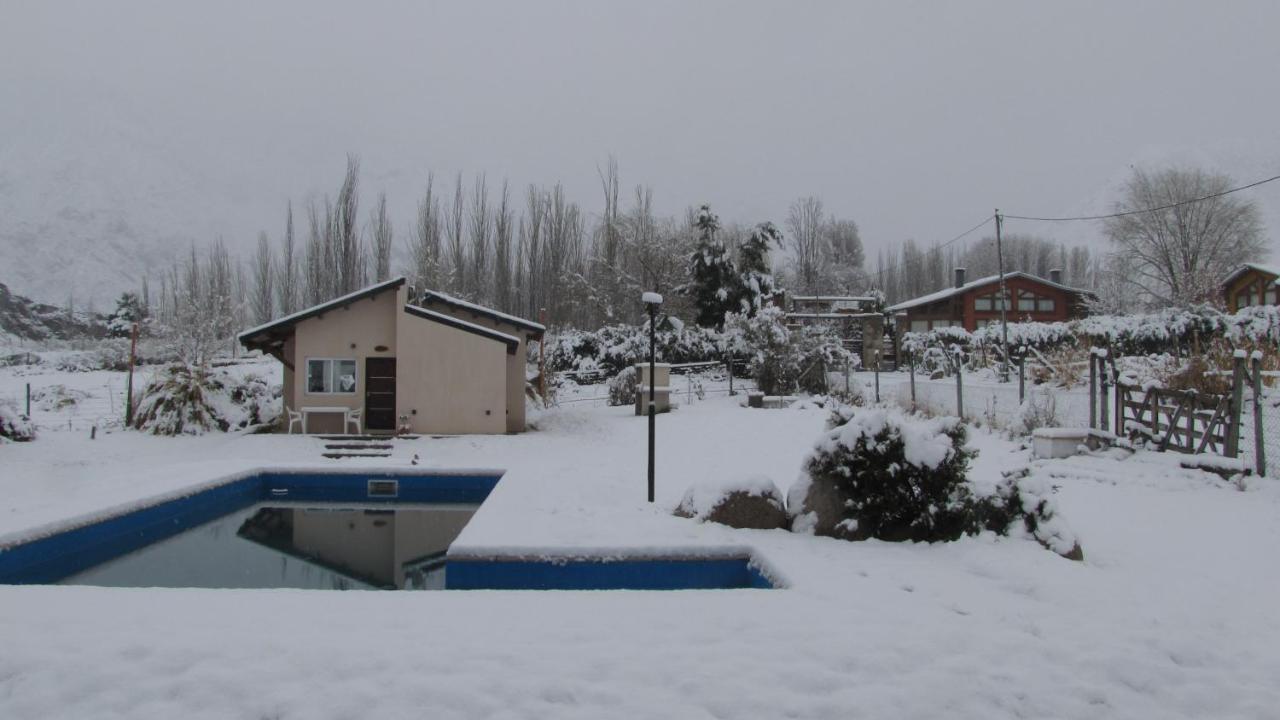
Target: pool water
[298,545]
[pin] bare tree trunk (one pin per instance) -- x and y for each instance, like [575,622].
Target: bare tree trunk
[502,225]
[480,226]
[425,250]
[286,271]
[455,241]
[263,296]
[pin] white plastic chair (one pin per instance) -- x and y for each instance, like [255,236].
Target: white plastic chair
[295,418]
[353,418]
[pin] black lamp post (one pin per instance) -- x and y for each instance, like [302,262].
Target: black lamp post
[652,301]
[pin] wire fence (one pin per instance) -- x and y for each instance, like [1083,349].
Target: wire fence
[1261,456]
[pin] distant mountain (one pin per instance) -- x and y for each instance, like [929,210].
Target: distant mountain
[24,319]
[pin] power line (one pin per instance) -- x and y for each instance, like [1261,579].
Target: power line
[892,267]
[1145,210]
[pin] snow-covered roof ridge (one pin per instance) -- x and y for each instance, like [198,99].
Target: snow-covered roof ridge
[428,295]
[1260,267]
[316,309]
[948,292]
[440,317]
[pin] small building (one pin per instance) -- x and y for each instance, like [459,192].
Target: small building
[974,304]
[1251,284]
[441,365]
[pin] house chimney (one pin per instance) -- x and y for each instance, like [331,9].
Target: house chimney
[1055,275]
[959,277]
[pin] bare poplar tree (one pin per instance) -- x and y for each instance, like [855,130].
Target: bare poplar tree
[1180,254]
[531,235]
[262,298]
[424,251]
[347,253]
[318,259]
[287,280]
[804,222]
[502,229]
[455,243]
[479,227]
[382,239]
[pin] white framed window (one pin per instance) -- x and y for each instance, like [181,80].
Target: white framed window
[982,302]
[1044,304]
[331,376]
[1026,301]
[1271,295]
[919,326]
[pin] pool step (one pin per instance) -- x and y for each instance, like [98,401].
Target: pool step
[359,446]
[338,455]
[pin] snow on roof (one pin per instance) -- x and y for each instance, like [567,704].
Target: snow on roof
[948,292]
[429,295]
[510,340]
[317,309]
[1265,269]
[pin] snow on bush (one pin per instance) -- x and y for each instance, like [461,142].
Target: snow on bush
[193,399]
[622,387]
[784,361]
[894,477]
[616,347]
[13,424]
[1039,409]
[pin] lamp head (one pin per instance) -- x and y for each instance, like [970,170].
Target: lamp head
[652,299]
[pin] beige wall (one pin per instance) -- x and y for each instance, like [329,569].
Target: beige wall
[366,323]
[448,380]
[515,363]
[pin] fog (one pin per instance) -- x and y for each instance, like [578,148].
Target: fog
[914,119]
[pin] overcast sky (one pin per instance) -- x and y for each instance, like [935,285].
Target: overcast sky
[914,119]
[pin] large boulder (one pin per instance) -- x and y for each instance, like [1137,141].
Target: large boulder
[752,503]
[816,506]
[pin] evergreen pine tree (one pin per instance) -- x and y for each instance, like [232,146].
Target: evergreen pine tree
[755,279]
[713,281]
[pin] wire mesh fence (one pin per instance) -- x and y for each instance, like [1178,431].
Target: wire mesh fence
[1261,421]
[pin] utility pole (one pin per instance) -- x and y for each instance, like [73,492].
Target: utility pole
[1004,301]
[128,391]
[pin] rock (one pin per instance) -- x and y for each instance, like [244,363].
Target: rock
[1077,553]
[816,506]
[758,507]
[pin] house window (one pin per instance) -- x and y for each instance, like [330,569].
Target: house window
[1271,296]
[982,302]
[1026,301]
[1242,300]
[919,326]
[1044,304]
[331,375]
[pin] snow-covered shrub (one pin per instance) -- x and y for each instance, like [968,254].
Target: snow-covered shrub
[886,475]
[765,339]
[54,398]
[751,502]
[622,387]
[901,478]
[1038,409]
[193,399]
[613,348]
[13,424]
[819,349]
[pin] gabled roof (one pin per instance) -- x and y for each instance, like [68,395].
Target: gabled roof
[263,332]
[530,327]
[953,291]
[512,342]
[1271,270]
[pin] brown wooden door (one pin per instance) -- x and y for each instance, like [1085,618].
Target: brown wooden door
[380,393]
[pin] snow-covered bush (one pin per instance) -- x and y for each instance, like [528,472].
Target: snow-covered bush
[13,424]
[54,398]
[192,400]
[886,475]
[622,387]
[613,348]
[767,342]
[1038,409]
[819,349]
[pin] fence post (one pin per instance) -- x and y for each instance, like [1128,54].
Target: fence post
[1259,446]
[1115,382]
[1237,396]
[877,377]
[1022,375]
[729,364]
[1093,389]
[911,364]
[28,401]
[846,375]
[959,356]
[1105,400]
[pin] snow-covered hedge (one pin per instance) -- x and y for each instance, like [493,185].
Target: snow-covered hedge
[615,347]
[1170,330]
[886,475]
[192,400]
[13,424]
[785,361]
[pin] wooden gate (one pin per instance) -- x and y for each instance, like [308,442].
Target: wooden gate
[1180,420]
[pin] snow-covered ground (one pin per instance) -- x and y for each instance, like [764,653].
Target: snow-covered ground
[1171,614]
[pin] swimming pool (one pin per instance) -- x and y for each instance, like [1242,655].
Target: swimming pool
[339,530]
